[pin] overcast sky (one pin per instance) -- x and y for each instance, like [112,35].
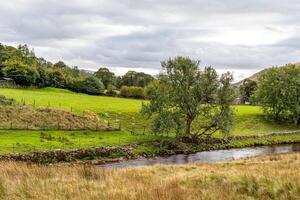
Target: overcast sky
[240,36]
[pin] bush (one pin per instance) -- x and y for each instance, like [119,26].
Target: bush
[92,85]
[56,78]
[111,90]
[6,102]
[21,73]
[132,92]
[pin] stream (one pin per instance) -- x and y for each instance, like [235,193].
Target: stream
[206,156]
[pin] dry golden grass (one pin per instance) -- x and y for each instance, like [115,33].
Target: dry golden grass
[270,177]
[28,117]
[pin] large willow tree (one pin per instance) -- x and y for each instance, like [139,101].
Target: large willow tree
[190,101]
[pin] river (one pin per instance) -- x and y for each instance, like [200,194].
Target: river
[206,156]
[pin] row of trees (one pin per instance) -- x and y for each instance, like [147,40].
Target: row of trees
[22,65]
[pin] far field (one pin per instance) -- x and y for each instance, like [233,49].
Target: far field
[243,179]
[117,111]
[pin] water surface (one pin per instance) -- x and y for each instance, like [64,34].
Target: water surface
[206,156]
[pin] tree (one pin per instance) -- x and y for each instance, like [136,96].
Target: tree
[56,78]
[132,92]
[185,94]
[106,76]
[60,64]
[139,79]
[247,89]
[279,93]
[92,85]
[20,72]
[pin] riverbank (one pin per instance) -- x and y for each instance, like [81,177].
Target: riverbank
[268,177]
[149,149]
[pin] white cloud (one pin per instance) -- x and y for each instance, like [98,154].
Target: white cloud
[239,36]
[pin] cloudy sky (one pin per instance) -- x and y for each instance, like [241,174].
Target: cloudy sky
[239,36]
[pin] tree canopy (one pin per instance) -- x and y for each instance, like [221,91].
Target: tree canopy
[279,93]
[190,101]
[247,89]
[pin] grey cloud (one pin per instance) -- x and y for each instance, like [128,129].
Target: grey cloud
[140,34]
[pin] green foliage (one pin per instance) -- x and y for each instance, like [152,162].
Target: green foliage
[56,78]
[20,72]
[26,69]
[132,92]
[92,85]
[6,102]
[185,94]
[111,90]
[139,79]
[107,77]
[279,93]
[247,89]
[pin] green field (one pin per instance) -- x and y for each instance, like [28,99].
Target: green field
[19,141]
[66,99]
[248,120]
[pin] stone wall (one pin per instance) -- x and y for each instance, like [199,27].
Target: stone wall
[242,137]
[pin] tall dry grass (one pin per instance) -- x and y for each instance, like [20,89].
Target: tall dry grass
[270,177]
[28,117]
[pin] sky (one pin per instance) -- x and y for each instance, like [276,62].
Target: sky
[242,37]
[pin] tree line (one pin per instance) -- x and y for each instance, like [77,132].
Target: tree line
[26,69]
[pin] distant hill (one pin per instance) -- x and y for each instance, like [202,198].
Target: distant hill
[255,76]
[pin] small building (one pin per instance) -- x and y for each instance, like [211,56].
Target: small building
[7,82]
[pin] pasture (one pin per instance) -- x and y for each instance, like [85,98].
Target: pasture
[248,119]
[116,111]
[22,141]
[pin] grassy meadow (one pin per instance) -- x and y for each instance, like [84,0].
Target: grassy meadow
[243,179]
[20,141]
[248,119]
[116,111]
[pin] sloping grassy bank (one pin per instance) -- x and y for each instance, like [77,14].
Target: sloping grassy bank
[268,177]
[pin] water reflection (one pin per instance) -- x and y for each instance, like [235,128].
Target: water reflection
[207,156]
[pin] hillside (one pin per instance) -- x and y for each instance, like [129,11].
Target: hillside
[255,76]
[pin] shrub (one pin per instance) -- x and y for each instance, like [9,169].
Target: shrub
[21,73]
[111,90]
[5,101]
[92,85]
[132,92]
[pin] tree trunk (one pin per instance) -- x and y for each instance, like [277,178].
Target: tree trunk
[188,126]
